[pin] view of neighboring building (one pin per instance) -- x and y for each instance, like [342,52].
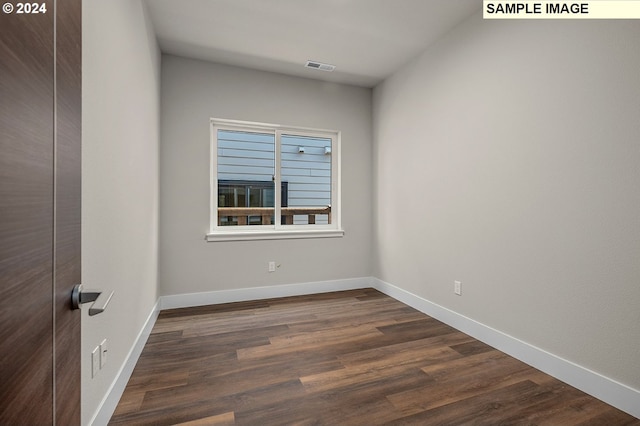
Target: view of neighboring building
[246,169]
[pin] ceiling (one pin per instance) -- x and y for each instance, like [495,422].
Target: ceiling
[367,40]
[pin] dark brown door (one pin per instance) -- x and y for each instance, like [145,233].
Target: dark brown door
[40,213]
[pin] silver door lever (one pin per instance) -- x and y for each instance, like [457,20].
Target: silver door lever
[100,299]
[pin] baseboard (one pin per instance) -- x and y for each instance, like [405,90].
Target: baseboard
[605,389]
[614,393]
[259,293]
[110,402]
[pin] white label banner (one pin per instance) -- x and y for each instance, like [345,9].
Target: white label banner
[590,9]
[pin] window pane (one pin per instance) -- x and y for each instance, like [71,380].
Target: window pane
[246,166]
[306,169]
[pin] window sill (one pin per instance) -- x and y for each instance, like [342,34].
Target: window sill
[274,235]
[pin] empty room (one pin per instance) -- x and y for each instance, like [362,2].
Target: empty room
[320,212]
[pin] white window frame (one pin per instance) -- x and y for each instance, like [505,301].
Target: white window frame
[277,230]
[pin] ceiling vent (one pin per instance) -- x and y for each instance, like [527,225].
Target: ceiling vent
[320,66]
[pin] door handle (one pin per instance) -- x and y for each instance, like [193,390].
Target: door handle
[99,298]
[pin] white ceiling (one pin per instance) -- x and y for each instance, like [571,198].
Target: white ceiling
[367,40]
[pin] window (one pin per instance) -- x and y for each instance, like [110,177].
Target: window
[250,160]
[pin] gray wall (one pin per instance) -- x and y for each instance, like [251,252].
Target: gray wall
[195,91]
[120,126]
[507,156]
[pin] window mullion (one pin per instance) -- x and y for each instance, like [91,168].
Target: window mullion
[277,179]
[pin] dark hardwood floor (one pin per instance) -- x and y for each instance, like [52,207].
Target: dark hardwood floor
[346,358]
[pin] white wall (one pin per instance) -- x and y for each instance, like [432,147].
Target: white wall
[192,93]
[120,124]
[507,156]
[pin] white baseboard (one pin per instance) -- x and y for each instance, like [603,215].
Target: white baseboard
[605,389]
[614,393]
[110,401]
[259,293]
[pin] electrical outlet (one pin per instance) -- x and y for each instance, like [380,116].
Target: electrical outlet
[272,266]
[457,288]
[103,353]
[95,362]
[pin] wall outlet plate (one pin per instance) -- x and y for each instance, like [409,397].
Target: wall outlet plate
[95,362]
[272,266]
[457,288]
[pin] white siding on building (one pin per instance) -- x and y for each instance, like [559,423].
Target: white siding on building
[245,156]
[308,173]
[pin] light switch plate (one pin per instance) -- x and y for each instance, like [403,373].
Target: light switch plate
[103,353]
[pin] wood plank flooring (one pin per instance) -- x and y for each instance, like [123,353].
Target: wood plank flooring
[345,358]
